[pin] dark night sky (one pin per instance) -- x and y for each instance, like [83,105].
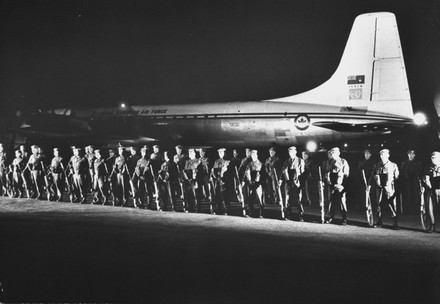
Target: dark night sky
[96,53]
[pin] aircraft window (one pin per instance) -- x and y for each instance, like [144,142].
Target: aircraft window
[285,113]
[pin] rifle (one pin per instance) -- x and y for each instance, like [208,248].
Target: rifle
[369,210]
[280,196]
[156,188]
[46,180]
[68,187]
[424,218]
[130,181]
[25,184]
[238,189]
[321,195]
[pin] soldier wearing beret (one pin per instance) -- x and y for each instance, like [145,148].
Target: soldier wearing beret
[272,167]
[17,168]
[431,181]
[78,166]
[253,175]
[410,173]
[100,175]
[142,180]
[293,174]
[35,166]
[90,157]
[217,179]
[169,181]
[190,181]
[203,171]
[386,174]
[120,171]
[336,176]
[57,169]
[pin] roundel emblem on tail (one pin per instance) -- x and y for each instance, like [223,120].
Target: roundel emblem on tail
[302,122]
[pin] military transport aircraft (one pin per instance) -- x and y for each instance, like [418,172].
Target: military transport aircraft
[367,95]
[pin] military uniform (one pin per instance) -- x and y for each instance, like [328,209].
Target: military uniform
[79,168]
[309,173]
[17,168]
[325,168]
[431,180]
[203,179]
[243,181]
[156,161]
[338,172]
[272,168]
[367,165]
[218,170]
[190,184]
[3,172]
[90,157]
[410,173]
[143,181]
[253,175]
[111,180]
[120,193]
[169,183]
[56,169]
[131,165]
[36,167]
[293,175]
[100,174]
[385,175]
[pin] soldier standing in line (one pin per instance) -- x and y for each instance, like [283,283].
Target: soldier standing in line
[182,157]
[325,170]
[35,166]
[140,177]
[45,174]
[168,181]
[293,175]
[3,170]
[218,170]
[110,162]
[17,167]
[56,168]
[367,165]
[431,179]
[243,181]
[78,167]
[131,165]
[309,173]
[100,175]
[90,157]
[190,181]
[203,171]
[410,173]
[120,170]
[253,175]
[339,171]
[386,174]
[272,168]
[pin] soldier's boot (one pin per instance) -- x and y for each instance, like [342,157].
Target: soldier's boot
[344,218]
[395,226]
[379,223]
[301,216]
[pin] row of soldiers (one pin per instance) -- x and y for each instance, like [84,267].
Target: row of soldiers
[163,179]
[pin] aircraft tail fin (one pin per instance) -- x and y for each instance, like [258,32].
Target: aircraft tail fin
[371,73]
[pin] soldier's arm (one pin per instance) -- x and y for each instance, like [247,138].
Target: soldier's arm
[396,172]
[346,169]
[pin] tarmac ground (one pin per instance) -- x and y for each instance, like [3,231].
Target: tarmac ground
[65,252]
